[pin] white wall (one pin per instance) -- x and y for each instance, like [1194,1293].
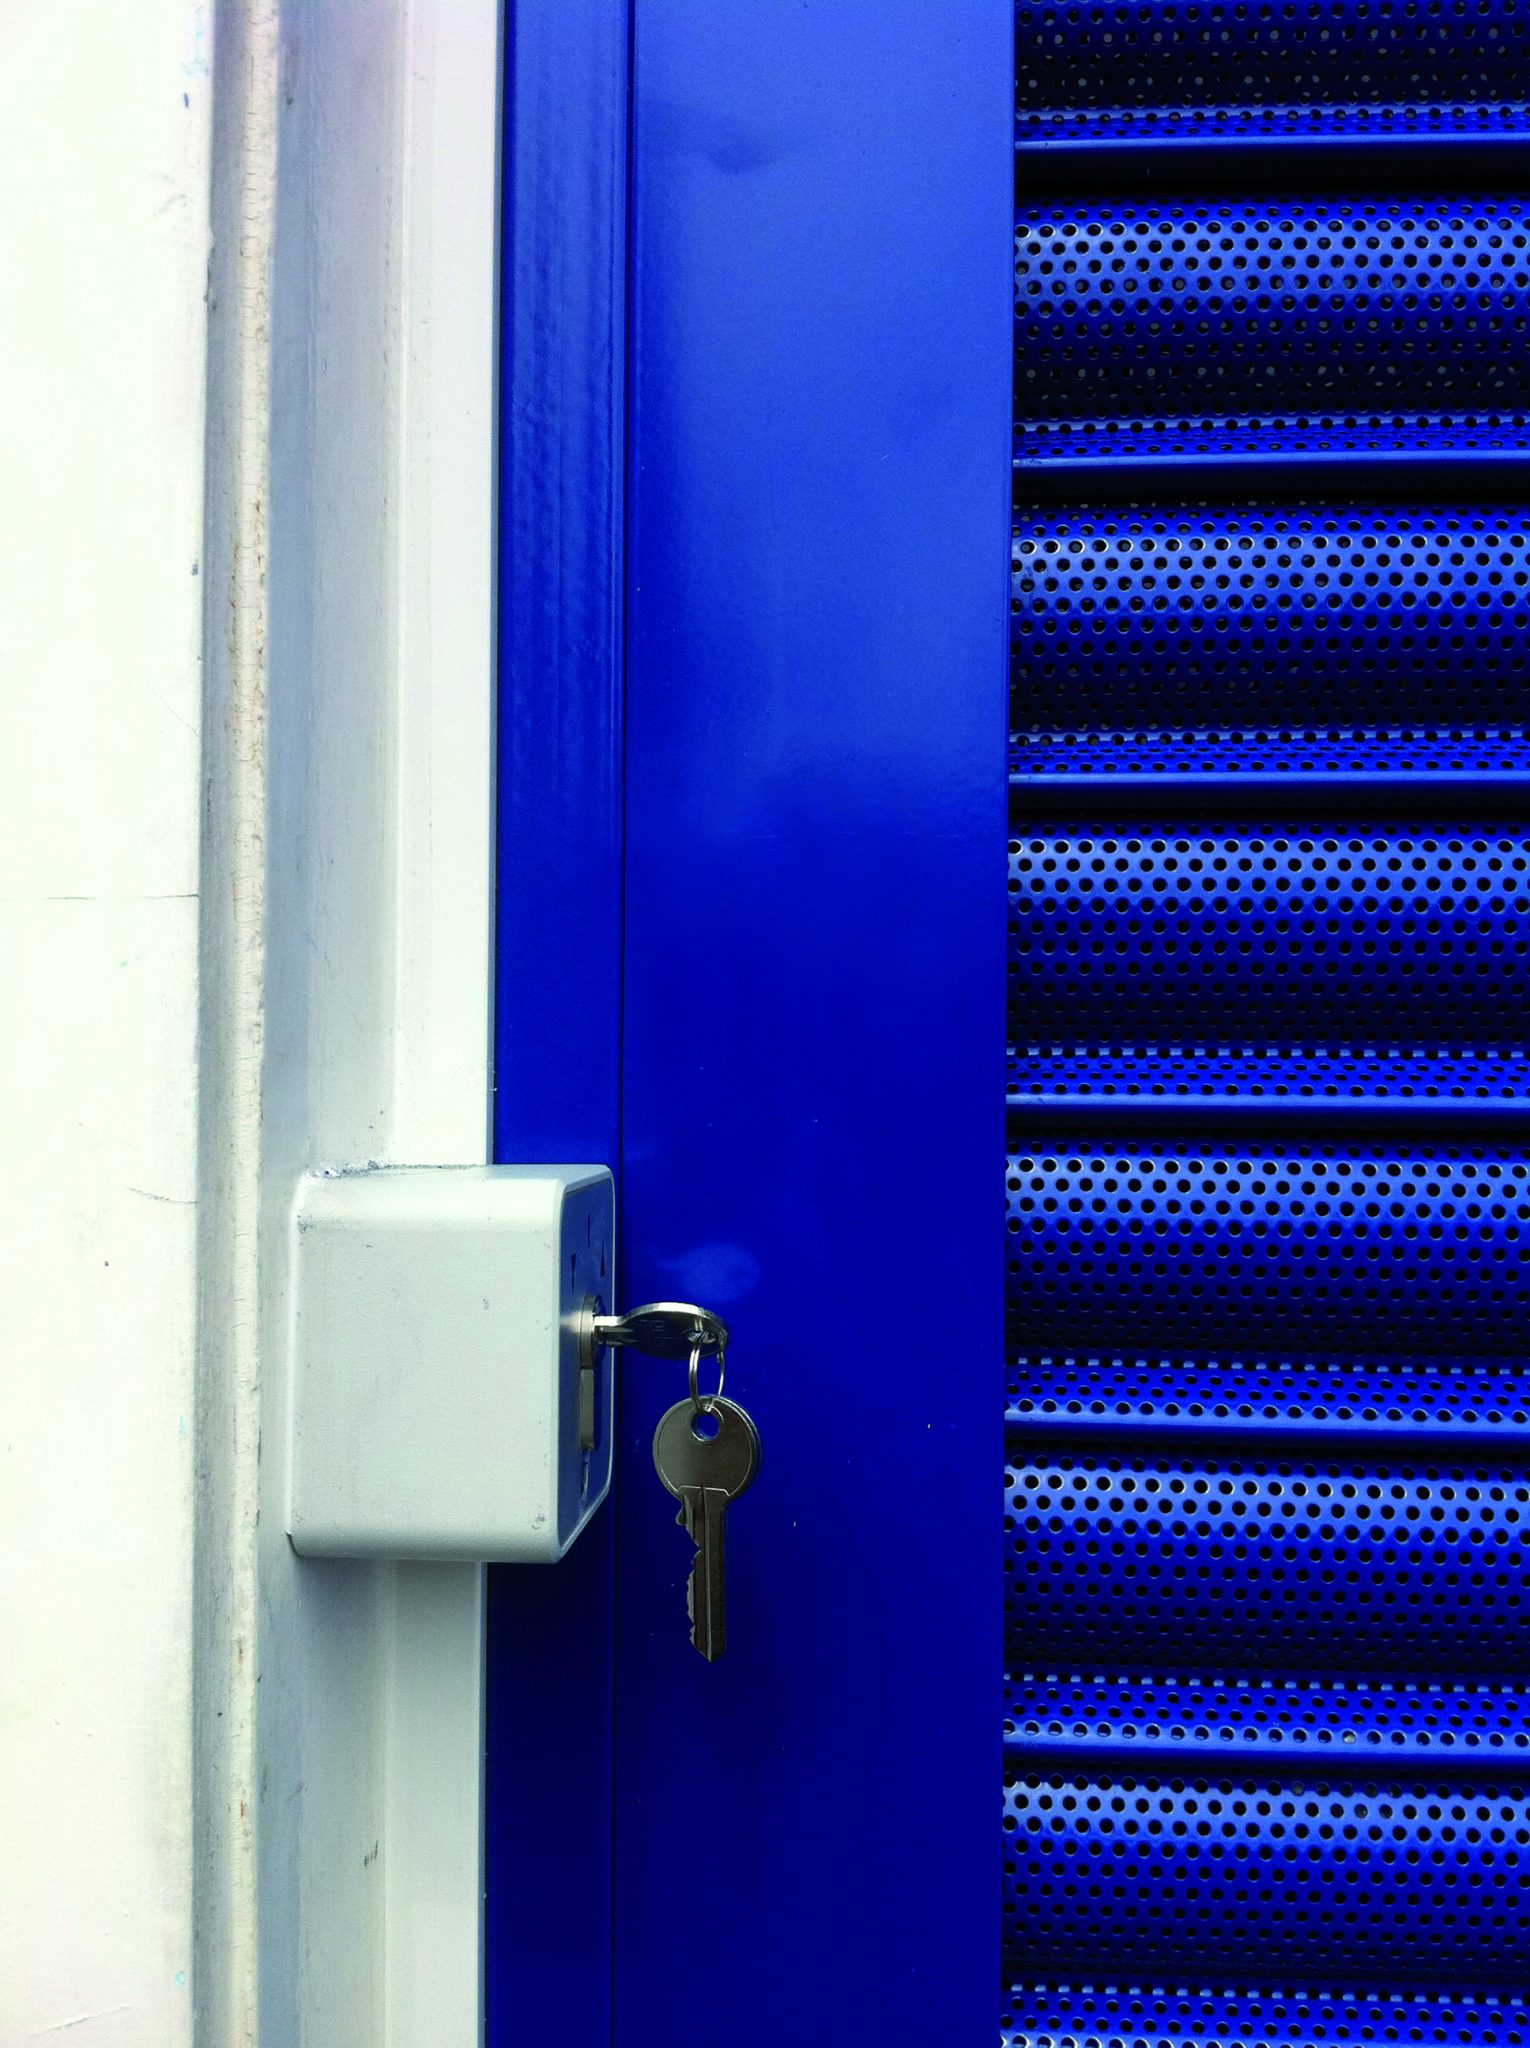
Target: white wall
[246,351]
[104,164]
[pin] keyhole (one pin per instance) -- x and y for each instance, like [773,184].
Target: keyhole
[704,1426]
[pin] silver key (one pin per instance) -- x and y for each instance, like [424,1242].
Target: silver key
[662,1329]
[706,1474]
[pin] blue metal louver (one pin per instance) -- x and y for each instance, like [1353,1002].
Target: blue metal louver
[1306,2017]
[1378,69]
[1410,1882]
[1234,1238]
[1148,929]
[1401,616]
[1272,311]
[1267,1400]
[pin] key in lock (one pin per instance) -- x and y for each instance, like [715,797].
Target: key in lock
[659,1329]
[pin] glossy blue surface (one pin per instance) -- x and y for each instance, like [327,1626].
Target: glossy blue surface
[816,726]
[562,518]
[547,1844]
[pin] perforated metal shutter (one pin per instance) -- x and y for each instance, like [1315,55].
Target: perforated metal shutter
[1268,1399]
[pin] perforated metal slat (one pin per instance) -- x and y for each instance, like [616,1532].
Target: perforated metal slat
[1363,449]
[1117,2016]
[1114,134]
[1395,1881]
[1164,1560]
[1234,308]
[1144,932]
[1305,1085]
[1271,762]
[1165,67]
[1363,1251]
[1401,616]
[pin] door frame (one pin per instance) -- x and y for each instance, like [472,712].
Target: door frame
[347,892]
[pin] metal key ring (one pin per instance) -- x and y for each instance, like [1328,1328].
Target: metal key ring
[709,1405]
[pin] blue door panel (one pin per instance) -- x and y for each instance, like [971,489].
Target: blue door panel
[806,1834]
[1228,1739]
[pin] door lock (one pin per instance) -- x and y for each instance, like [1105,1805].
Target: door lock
[437,1404]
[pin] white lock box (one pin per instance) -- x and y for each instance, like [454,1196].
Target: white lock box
[437,1371]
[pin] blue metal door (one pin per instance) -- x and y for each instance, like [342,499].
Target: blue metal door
[1266,1754]
[794,760]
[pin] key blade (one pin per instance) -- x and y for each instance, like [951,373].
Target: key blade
[705,1473]
[663,1329]
[709,1628]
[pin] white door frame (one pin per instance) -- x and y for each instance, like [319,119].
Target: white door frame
[347,955]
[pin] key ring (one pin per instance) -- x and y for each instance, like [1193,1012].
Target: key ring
[709,1405]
